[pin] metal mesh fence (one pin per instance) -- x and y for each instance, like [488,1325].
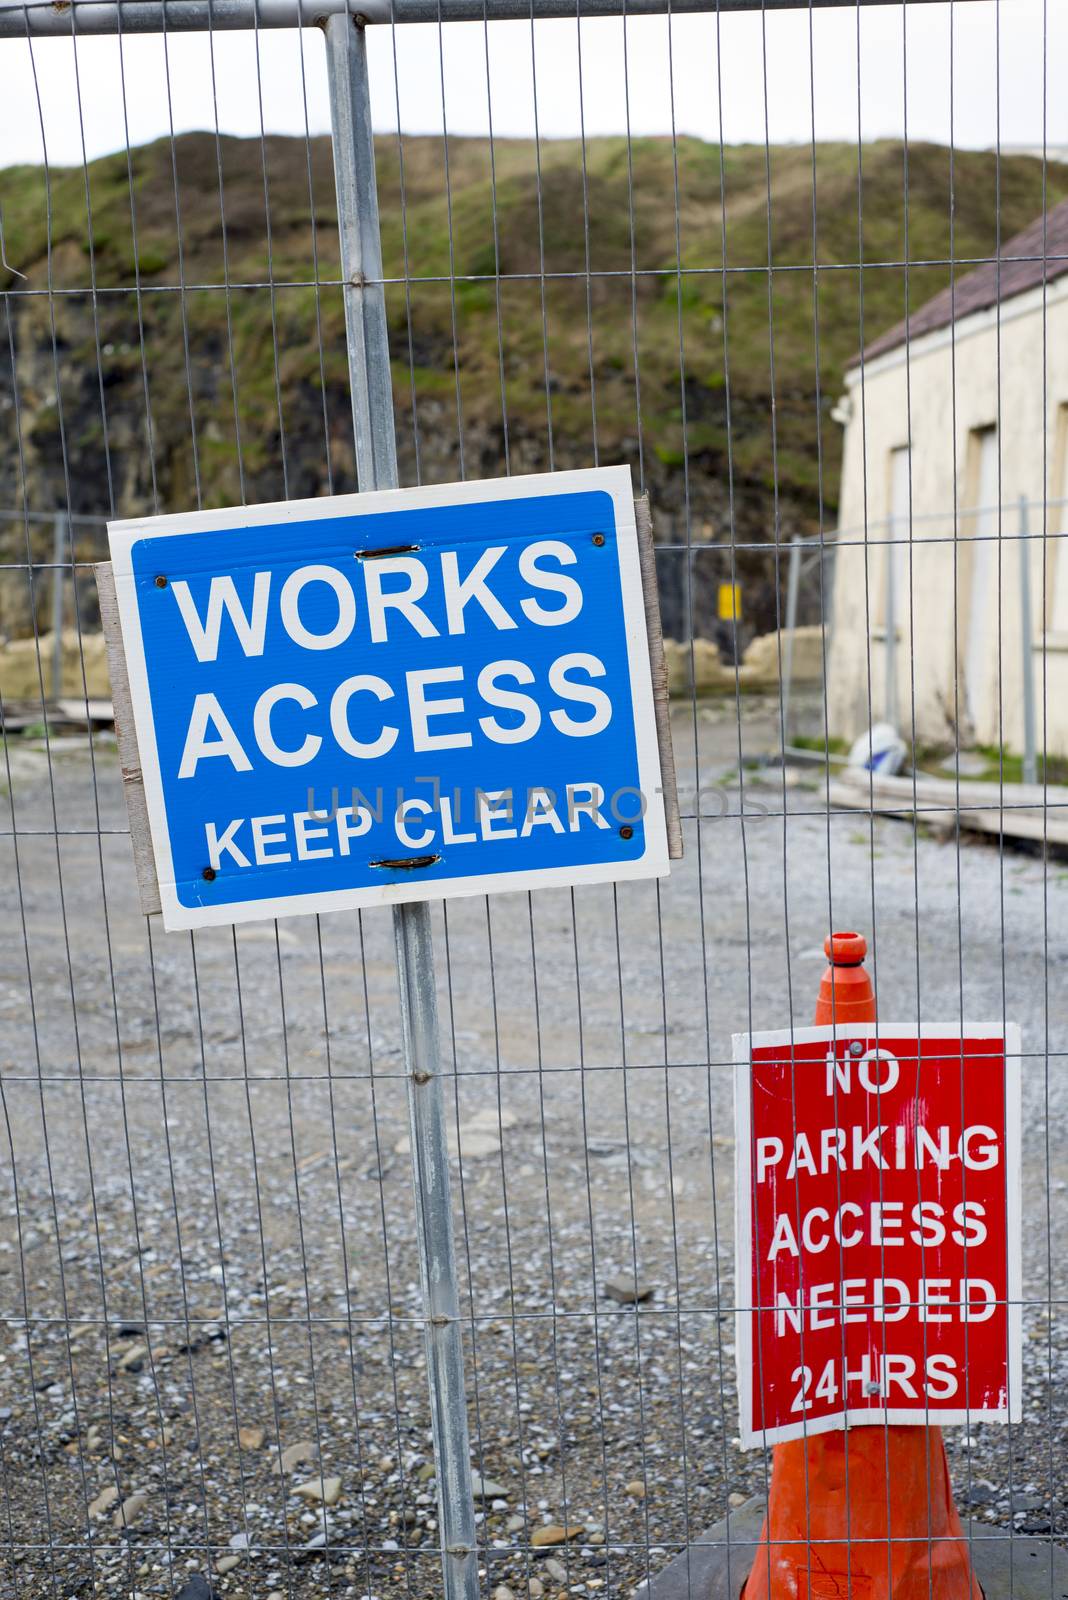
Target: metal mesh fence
[212,1360]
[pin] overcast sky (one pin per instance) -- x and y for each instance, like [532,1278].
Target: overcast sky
[171,84]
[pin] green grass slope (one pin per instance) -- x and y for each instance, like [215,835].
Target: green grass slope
[548,306]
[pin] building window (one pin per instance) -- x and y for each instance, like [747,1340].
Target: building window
[1057,526]
[894,607]
[979,574]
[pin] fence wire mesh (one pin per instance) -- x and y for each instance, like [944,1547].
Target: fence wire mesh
[211,1322]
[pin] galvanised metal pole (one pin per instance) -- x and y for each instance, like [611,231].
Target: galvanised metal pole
[437,1257]
[1030,762]
[366,331]
[793,585]
[890,628]
[59,556]
[19,18]
[376,467]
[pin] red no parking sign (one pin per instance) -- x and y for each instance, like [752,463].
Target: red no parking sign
[878,1229]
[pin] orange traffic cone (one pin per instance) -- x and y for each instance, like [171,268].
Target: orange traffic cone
[866,1514]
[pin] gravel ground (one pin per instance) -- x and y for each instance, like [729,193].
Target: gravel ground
[206,1225]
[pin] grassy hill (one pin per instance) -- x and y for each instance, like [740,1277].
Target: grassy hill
[532,287]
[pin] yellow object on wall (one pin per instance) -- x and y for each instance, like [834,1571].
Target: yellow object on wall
[730,602]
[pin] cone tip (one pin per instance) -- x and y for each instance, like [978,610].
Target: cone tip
[845,949]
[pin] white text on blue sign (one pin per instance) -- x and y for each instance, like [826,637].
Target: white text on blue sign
[392,696]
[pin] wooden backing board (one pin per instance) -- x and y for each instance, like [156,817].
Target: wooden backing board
[661,701]
[1015,810]
[133,784]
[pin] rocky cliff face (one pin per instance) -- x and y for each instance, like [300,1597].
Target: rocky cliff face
[178,337]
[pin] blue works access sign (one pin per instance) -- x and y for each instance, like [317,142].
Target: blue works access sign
[392,696]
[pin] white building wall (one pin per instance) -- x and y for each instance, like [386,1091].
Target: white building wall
[957,654]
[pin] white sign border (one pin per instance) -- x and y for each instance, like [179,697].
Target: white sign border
[743,1045]
[616,481]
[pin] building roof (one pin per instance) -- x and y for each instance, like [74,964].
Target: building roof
[1031,258]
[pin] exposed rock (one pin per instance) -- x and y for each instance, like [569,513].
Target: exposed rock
[627,1290]
[197,1588]
[19,670]
[486,1489]
[104,1501]
[326,1490]
[319,1541]
[294,1455]
[210,1335]
[636,1489]
[760,663]
[130,1510]
[703,666]
[479,1136]
[556,1533]
[966,762]
[251,1438]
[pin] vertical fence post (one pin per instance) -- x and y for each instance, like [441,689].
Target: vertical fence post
[793,586]
[376,467]
[59,556]
[890,628]
[1030,763]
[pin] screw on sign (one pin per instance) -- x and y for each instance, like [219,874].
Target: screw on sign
[878,1246]
[376,698]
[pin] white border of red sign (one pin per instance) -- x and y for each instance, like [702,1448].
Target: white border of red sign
[743,1045]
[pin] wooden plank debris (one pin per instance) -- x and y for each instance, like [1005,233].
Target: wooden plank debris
[133,785]
[658,663]
[1011,810]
